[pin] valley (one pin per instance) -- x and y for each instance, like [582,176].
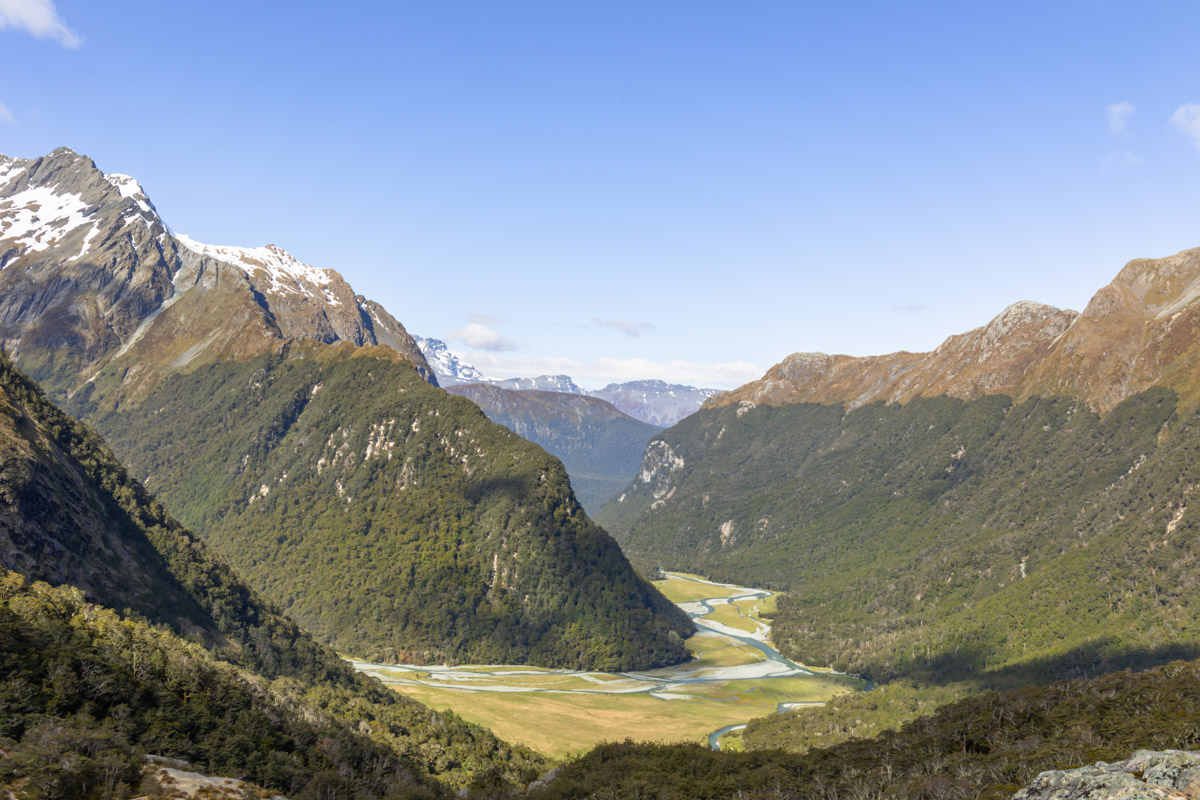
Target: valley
[736,675]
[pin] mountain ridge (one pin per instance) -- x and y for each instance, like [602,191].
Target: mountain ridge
[1137,332]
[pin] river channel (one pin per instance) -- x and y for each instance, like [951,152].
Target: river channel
[670,683]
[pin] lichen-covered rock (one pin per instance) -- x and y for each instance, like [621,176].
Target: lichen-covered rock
[1147,775]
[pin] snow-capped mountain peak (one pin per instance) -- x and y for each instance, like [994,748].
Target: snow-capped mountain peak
[448,367]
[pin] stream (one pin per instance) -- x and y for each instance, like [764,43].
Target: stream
[660,683]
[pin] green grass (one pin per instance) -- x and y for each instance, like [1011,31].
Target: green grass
[727,614]
[559,725]
[678,590]
[717,652]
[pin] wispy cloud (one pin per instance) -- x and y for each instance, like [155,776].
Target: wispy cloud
[6,116]
[1118,115]
[625,326]
[481,337]
[1187,119]
[1120,159]
[597,373]
[910,308]
[484,319]
[38,18]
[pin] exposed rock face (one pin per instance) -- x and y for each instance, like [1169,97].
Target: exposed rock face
[1147,775]
[659,465]
[92,279]
[1139,331]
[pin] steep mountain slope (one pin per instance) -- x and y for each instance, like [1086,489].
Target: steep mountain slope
[182,353]
[600,447]
[390,519]
[70,513]
[88,695]
[942,536]
[654,402]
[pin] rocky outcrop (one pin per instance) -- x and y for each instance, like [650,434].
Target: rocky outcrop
[1147,775]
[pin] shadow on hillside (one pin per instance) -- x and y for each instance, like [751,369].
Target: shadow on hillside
[1087,661]
[488,488]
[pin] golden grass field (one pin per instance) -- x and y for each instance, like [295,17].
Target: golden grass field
[577,713]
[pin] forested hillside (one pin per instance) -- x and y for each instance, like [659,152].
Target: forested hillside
[394,521]
[71,512]
[941,537]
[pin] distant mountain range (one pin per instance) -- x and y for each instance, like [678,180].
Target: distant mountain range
[291,424]
[653,402]
[600,446]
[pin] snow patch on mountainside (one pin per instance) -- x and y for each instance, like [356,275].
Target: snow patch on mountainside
[287,273]
[10,167]
[37,217]
[542,383]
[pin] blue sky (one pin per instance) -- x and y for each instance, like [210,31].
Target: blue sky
[687,190]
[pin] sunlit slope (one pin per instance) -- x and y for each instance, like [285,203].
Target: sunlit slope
[939,536]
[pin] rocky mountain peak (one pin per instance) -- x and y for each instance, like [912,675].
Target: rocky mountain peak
[89,272]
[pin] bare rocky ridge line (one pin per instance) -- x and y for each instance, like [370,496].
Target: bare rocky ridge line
[1137,332]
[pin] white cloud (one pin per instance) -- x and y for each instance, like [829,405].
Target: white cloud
[1187,119]
[481,337]
[1118,115]
[595,374]
[1120,159]
[625,326]
[6,116]
[38,18]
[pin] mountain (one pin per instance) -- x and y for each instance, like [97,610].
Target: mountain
[290,423]
[542,383]
[655,402]
[1017,498]
[449,368]
[184,668]
[1139,331]
[94,284]
[600,447]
